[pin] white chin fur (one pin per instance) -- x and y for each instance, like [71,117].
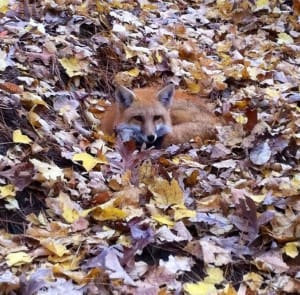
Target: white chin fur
[128,132]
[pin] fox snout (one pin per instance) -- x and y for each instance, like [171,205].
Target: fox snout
[149,132]
[151,138]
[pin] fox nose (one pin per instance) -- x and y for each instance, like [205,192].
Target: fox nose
[151,138]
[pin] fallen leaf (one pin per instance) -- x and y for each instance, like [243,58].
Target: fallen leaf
[260,154]
[284,38]
[72,66]
[18,258]
[54,247]
[32,99]
[177,264]
[18,137]
[166,193]
[291,249]
[11,87]
[253,280]
[163,219]
[271,261]
[134,72]
[180,212]
[3,56]
[7,191]
[109,213]
[262,4]
[4,6]
[200,288]
[48,171]
[88,161]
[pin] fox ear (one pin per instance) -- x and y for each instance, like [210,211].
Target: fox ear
[165,96]
[124,96]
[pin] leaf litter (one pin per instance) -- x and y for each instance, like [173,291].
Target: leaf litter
[85,214]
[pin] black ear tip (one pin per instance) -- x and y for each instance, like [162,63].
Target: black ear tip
[124,96]
[166,94]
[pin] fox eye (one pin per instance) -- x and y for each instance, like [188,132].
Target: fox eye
[157,118]
[138,118]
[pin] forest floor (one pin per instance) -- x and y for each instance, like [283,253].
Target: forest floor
[81,213]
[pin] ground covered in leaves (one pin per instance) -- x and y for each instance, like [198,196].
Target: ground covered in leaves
[82,213]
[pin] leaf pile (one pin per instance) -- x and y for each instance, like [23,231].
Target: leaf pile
[84,214]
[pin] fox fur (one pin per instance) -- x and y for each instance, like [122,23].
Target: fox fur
[159,117]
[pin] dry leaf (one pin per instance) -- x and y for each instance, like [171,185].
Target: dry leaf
[18,137]
[18,258]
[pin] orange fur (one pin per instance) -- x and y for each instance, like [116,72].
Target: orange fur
[187,115]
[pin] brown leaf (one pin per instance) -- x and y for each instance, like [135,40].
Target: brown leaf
[11,87]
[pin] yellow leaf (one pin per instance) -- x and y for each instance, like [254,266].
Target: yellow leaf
[129,53]
[79,277]
[290,249]
[54,247]
[102,7]
[284,38]
[165,193]
[34,119]
[36,26]
[272,93]
[72,66]
[109,213]
[253,280]
[148,6]
[224,47]
[124,241]
[69,212]
[133,72]
[4,6]
[241,119]
[262,4]
[214,275]
[192,86]
[200,288]
[8,190]
[180,212]
[252,276]
[295,182]
[257,198]
[224,6]
[88,161]
[70,215]
[158,56]
[18,137]
[32,99]
[163,219]
[18,258]
[228,290]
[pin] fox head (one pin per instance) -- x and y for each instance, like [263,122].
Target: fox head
[144,116]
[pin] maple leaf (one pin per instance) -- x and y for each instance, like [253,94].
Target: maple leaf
[73,66]
[54,247]
[109,260]
[88,161]
[166,193]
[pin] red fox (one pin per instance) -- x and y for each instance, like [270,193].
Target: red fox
[158,117]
